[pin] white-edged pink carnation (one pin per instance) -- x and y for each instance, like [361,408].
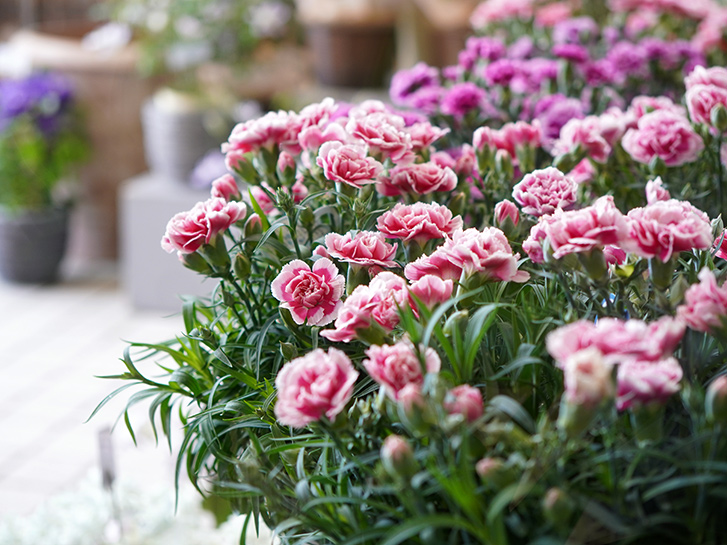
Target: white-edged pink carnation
[225,187]
[431,290]
[542,192]
[383,133]
[701,99]
[655,191]
[348,163]
[587,378]
[617,340]
[576,231]
[666,228]
[644,382]
[584,135]
[714,75]
[642,105]
[665,135]
[705,304]
[273,129]
[363,248]
[318,384]
[486,253]
[395,367]
[311,294]
[417,178]
[378,303]
[187,231]
[418,222]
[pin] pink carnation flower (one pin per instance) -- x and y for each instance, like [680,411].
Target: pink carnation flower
[465,400]
[363,248]
[655,191]
[663,134]
[348,163]
[316,385]
[313,295]
[642,105]
[505,210]
[424,134]
[470,252]
[715,75]
[395,367]
[492,11]
[584,134]
[273,129]
[378,303]
[617,340]
[383,133]
[431,290]
[595,226]
[417,178]
[418,222]
[705,304]
[666,228]
[583,172]
[543,191]
[188,231]
[644,382]
[701,99]
[225,187]
[587,378]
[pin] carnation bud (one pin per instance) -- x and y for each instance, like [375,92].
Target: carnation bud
[488,468]
[465,400]
[241,267]
[307,216]
[397,457]
[716,400]
[457,203]
[718,117]
[410,397]
[661,273]
[557,506]
[196,262]
[286,168]
[216,253]
[506,211]
[253,229]
[594,262]
[284,200]
[289,351]
[503,164]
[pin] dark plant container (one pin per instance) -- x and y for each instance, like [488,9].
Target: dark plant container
[32,245]
[352,55]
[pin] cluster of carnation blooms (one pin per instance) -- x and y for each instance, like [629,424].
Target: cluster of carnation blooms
[376,234]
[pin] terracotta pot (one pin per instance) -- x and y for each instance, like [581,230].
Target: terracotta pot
[352,55]
[32,245]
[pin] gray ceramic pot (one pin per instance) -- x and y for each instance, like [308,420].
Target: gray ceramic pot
[174,141]
[32,245]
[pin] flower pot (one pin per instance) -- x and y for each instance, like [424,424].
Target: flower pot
[32,245]
[352,55]
[175,138]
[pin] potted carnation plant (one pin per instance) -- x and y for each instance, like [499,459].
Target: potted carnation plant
[40,143]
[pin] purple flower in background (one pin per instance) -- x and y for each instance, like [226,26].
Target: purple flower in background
[210,167]
[522,48]
[553,112]
[462,98]
[611,35]
[628,59]
[490,49]
[407,82]
[501,72]
[44,96]
[598,73]
[577,30]
[426,99]
[540,70]
[571,52]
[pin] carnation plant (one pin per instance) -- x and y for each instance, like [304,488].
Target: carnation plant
[396,352]
[41,141]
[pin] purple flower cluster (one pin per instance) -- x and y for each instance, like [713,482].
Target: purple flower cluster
[44,96]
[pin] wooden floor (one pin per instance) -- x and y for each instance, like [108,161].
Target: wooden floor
[53,341]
